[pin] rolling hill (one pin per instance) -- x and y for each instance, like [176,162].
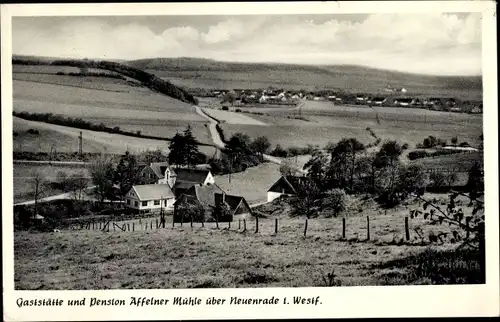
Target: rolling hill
[198,72]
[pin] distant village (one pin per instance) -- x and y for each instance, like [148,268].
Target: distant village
[388,96]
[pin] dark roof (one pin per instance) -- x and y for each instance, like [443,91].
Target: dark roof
[210,195]
[159,168]
[191,175]
[291,181]
[205,194]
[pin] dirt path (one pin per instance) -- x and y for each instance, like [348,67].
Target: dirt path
[66,195]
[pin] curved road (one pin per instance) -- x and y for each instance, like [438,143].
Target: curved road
[218,141]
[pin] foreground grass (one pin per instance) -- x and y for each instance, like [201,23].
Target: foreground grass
[185,257]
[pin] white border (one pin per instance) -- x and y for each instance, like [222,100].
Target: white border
[402,301]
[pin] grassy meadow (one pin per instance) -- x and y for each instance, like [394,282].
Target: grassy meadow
[185,257]
[114,102]
[325,122]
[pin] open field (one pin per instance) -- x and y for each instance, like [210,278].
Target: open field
[23,189]
[326,122]
[65,139]
[233,117]
[130,108]
[206,257]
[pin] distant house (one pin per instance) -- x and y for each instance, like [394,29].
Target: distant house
[477,109]
[284,186]
[211,195]
[150,198]
[360,98]
[404,102]
[378,100]
[157,172]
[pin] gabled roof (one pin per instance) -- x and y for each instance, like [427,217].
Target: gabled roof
[159,168]
[292,182]
[153,191]
[191,175]
[205,194]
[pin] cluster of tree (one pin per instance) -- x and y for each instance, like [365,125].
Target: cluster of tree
[55,156]
[184,150]
[93,74]
[281,152]
[419,154]
[431,142]
[151,81]
[194,211]
[346,165]
[240,153]
[85,125]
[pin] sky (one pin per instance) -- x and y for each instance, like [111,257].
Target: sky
[433,43]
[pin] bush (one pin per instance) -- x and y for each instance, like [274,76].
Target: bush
[34,132]
[336,201]
[464,145]
[238,110]
[225,108]
[138,132]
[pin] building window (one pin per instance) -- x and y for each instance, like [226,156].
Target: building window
[128,201]
[136,203]
[144,203]
[157,202]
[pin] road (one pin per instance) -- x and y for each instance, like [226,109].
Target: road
[67,195]
[220,144]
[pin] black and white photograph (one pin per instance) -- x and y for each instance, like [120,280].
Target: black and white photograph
[255,150]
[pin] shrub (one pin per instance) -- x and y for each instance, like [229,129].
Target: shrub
[34,132]
[336,201]
[405,146]
[138,132]
[225,108]
[238,110]
[464,145]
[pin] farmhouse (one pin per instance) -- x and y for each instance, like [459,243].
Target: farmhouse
[284,186]
[186,178]
[178,179]
[403,101]
[211,195]
[150,198]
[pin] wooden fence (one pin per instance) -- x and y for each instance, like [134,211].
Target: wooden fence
[255,225]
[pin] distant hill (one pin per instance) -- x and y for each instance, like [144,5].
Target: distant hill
[347,77]
[153,82]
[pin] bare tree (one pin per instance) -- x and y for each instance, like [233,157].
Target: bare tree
[38,185]
[76,186]
[101,172]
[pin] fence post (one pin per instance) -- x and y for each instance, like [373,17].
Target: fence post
[407,230]
[114,228]
[128,226]
[367,227]
[244,225]
[276,226]
[305,229]
[173,220]
[140,221]
[151,225]
[182,219]
[157,223]
[343,228]
[133,226]
[203,221]
[239,224]
[100,225]
[191,221]
[385,212]
[217,221]
[124,227]
[256,224]
[229,225]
